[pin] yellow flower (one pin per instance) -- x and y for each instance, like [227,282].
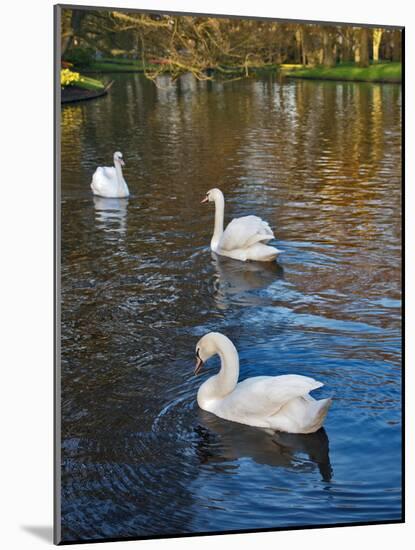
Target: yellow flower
[68,77]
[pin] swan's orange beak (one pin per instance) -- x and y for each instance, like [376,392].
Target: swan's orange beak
[204,200]
[199,365]
[122,162]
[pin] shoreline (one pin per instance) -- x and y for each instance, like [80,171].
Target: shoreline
[73,94]
[386,72]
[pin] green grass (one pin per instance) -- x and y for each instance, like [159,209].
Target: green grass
[380,72]
[122,65]
[118,65]
[88,83]
[107,65]
[119,60]
[111,67]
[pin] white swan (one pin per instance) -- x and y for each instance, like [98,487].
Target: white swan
[108,181]
[244,238]
[280,403]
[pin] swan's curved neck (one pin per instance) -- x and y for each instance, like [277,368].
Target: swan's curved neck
[229,370]
[219,216]
[221,384]
[118,171]
[225,381]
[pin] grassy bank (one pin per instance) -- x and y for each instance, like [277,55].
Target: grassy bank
[114,66]
[380,72]
[117,65]
[120,65]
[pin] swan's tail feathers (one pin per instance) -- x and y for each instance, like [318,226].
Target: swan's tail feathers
[321,408]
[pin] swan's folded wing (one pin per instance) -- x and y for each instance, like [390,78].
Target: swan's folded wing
[245,232]
[103,175]
[109,172]
[263,396]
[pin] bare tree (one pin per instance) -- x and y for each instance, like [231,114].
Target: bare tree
[362,47]
[328,46]
[208,46]
[72,25]
[396,45]
[377,37]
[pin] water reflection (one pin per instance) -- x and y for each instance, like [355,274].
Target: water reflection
[276,449]
[320,161]
[233,280]
[111,214]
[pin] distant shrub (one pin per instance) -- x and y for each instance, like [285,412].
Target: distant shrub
[80,56]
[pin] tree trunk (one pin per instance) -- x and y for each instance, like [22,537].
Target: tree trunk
[396,45]
[328,57]
[301,36]
[386,50]
[299,42]
[357,52]
[75,29]
[305,59]
[346,51]
[377,37]
[311,51]
[363,47]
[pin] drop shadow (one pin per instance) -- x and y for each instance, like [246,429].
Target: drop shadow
[43,532]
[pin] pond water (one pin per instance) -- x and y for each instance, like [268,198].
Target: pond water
[321,162]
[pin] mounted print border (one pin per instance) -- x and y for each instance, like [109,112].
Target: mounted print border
[294,130]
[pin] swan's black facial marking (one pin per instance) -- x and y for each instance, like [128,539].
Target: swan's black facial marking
[119,158]
[199,362]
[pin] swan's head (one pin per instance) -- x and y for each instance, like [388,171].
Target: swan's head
[209,345]
[205,348]
[212,195]
[118,158]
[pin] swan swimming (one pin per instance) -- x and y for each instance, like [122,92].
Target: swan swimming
[244,238]
[280,403]
[109,182]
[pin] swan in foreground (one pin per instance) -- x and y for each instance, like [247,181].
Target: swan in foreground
[244,238]
[108,181]
[280,403]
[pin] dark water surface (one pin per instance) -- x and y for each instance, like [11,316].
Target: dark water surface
[320,161]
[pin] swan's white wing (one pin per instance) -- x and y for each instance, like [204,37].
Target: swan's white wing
[245,232]
[104,178]
[263,396]
[109,172]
